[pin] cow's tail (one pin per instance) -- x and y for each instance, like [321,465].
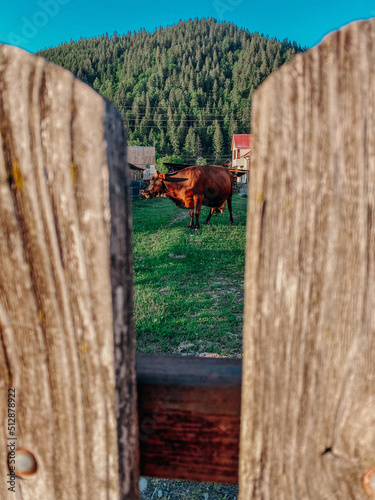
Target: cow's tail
[230,201]
[231,185]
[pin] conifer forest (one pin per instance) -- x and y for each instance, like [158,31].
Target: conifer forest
[185,89]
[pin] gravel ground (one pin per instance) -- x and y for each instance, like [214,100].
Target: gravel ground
[164,489]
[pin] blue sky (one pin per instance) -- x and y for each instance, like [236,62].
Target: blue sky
[36,24]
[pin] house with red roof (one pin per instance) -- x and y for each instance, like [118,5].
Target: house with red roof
[241,155]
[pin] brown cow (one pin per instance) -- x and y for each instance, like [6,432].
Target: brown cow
[192,187]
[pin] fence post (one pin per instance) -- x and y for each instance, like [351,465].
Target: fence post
[308,401]
[65,289]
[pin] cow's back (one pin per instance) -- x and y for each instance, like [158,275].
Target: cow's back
[213,176]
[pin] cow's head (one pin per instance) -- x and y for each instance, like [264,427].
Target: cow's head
[156,186]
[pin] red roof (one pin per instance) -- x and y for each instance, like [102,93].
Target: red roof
[242,141]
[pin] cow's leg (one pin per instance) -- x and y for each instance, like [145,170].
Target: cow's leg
[197,209]
[191,225]
[207,221]
[230,210]
[197,226]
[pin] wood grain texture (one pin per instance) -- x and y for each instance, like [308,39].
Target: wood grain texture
[60,154]
[122,299]
[308,419]
[189,417]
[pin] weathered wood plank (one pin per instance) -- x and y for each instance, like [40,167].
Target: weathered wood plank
[59,145]
[121,251]
[189,417]
[308,419]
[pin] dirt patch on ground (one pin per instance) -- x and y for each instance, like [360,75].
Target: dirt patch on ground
[181,216]
[223,287]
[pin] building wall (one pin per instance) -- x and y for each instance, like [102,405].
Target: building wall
[241,162]
[238,159]
[149,172]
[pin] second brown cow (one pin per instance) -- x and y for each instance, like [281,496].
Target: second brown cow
[192,187]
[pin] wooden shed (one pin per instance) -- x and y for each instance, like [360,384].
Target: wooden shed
[141,157]
[136,172]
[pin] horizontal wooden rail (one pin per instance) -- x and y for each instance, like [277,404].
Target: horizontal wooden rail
[189,417]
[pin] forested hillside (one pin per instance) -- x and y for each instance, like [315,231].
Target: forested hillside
[184,89]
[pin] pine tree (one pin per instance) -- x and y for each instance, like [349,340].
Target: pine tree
[96,84]
[198,147]
[218,142]
[189,147]
[151,138]
[172,133]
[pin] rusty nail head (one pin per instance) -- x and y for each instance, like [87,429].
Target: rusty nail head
[368,482]
[26,464]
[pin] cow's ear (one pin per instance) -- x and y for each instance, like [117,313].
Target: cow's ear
[162,177]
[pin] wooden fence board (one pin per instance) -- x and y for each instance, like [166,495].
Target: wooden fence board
[189,417]
[308,418]
[61,157]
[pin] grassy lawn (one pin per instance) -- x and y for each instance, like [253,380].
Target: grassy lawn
[188,284]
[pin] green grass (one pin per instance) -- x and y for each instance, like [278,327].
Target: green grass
[188,284]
